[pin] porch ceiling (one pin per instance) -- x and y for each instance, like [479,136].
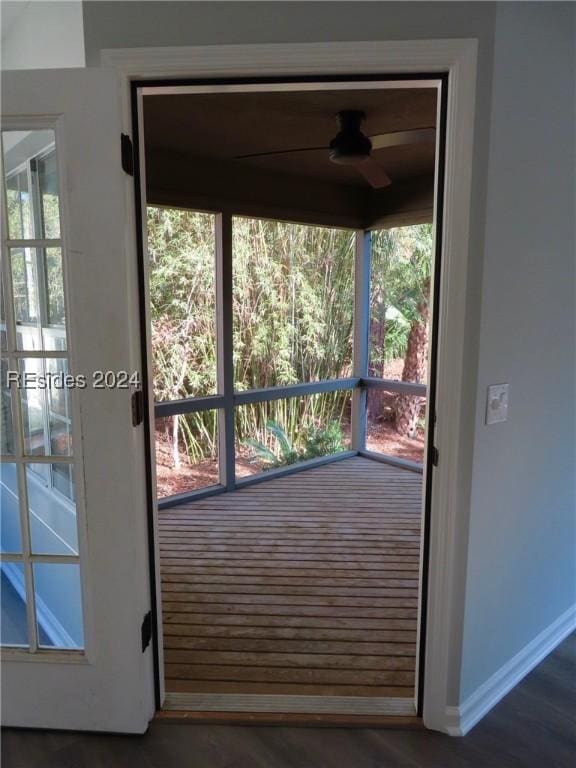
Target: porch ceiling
[193,142]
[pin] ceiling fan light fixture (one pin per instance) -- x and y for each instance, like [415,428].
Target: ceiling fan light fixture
[349,156]
[350,146]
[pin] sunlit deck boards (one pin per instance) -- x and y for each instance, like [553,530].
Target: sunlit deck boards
[302,585]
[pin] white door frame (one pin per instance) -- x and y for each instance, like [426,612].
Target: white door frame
[447,565]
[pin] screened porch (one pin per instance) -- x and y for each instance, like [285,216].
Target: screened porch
[289,303]
[290,565]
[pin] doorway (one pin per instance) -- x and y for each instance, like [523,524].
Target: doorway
[315,453]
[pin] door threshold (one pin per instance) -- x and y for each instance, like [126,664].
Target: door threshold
[297,720]
[361,711]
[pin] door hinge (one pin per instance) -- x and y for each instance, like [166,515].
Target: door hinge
[435,456]
[127,154]
[137,407]
[146,630]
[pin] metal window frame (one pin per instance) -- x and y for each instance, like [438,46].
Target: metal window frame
[360,343]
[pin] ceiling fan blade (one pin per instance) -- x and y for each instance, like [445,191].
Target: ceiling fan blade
[398,138]
[279,152]
[374,173]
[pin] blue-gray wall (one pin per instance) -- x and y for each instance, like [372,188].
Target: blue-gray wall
[522,535]
[42,35]
[125,24]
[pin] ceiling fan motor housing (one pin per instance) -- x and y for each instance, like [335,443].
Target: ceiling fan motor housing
[350,146]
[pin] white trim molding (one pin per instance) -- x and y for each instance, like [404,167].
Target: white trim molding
[287,60]
[457,59]
[460,720]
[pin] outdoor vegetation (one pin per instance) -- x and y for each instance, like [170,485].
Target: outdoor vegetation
[293,322]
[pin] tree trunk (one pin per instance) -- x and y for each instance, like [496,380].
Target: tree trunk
[408,407]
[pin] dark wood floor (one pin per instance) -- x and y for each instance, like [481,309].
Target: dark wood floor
[533,727]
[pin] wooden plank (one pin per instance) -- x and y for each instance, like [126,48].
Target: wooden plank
[217,619]
[200,565]
[272,523]
[176,593]
[399,608]
[190,523]
[231,545]
[291,539]
[192,527]
[175,685]
[269,591]
[390,540]
[284,559]
[290,536]
[274,585]
[303,574]
[350,543]
[374,492]
[270,532]
[302,527]
[269,631]
[350,648]
[270,659]
[182,671]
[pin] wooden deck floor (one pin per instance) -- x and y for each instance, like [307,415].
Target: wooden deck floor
[302,585]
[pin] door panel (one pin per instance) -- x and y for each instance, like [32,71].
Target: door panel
[76,452]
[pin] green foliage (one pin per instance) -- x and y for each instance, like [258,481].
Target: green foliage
[285,453]
[323,441]
[182,302]
[401,262]
[316,441]
[293,296]
[293,303]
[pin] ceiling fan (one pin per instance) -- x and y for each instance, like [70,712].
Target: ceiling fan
[352,147]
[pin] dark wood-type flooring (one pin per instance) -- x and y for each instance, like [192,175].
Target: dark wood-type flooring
[533,727]
[300,585]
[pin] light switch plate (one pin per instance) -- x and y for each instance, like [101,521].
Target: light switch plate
[497,403]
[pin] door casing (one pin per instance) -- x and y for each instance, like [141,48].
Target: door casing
[448,505]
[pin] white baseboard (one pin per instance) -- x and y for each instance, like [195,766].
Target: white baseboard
[459,720]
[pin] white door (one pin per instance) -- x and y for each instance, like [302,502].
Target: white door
[74,571]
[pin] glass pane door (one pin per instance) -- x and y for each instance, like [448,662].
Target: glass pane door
[74,567]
